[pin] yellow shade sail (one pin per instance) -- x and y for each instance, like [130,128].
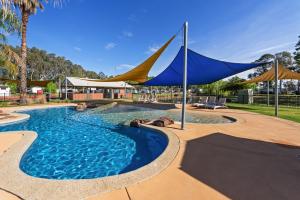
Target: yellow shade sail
[283,73]
[140,73]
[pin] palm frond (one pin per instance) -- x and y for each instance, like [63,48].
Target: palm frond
[11,55]
[9,22]
[28,5]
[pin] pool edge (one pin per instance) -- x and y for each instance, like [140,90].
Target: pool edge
[13,179]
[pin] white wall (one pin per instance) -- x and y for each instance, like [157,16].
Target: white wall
[4,91]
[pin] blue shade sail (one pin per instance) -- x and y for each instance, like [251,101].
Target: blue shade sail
[200,70]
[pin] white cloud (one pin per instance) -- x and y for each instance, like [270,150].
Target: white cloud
[124,66]
[274,47]
[152,49]
[110,45]
[77,49]
[127,34]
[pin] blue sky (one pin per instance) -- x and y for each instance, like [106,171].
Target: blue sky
[113,36]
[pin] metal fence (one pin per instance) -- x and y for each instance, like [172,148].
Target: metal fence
[9,98]
[284,100]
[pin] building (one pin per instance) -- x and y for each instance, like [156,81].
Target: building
[81,89]
[36,90]
[4,91]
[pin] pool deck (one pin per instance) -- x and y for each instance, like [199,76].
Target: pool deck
[257,157]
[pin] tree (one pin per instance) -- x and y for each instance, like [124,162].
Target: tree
[101,75]
[212,88]
[263,68]
[51,87]
[13,87]
[26,8]
[297,61]
[297,53]
[42,65]
[235,84]
[9,24]
[286,60]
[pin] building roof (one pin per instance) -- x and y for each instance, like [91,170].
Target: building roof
[79,82]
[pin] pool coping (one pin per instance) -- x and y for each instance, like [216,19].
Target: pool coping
[20,117]
[17,117]
[13,179]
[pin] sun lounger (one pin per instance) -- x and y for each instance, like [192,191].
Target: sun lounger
[202,102]
[220,104]
[211,101]
[143,98]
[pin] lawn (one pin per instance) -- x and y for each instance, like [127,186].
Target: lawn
[290,113]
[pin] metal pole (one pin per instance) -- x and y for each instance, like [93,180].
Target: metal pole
[125,91]
[59,88]
[276,87]
[184,76]
[66,89]
[268,93]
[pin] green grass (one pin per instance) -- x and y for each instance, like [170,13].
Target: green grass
[289,113]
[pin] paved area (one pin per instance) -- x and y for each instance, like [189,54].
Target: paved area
[255,158]
[258,157]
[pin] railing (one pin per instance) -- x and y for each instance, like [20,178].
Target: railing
[14,98]
[5,97]
[285,100]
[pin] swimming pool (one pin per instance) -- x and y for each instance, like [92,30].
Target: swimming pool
[83,145]
[122,114]
[95,143]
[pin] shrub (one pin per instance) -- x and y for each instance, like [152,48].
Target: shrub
[51,87]
[13,87]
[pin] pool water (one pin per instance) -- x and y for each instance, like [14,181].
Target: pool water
[95,143]
[84,145]
[122,114]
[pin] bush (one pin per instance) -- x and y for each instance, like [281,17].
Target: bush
[51,87]
[13,87]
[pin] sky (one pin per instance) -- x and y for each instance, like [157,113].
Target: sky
[116,35]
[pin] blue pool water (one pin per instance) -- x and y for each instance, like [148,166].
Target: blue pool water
[82,145]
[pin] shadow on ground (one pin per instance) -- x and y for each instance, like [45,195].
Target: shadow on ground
[244,169]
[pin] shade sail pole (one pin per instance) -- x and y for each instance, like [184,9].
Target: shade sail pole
[184,76]
[268,93]
[276,87]
[66,97]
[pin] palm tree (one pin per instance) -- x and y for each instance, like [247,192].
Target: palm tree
[27,8]
[9,23]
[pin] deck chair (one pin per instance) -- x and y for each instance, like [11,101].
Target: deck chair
[220,104]
[211,101]
[202,102]
[142,98]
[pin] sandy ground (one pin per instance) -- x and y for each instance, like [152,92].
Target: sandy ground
[258,157]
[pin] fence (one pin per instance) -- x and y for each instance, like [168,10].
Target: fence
[14,98]
[5,97]
[285,100]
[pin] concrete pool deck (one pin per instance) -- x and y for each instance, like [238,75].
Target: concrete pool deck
[257,157]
